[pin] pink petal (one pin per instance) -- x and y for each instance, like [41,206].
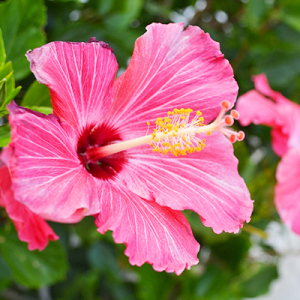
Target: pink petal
[290,117]
[31,227]
[47,174]
[152,233]
[253,107]
[1,201]
[287,190]
[283,117]
[280,141]
[80,78]
[171,68]
[262,85]
[206,182]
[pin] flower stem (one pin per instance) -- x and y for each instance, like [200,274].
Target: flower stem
[254,230]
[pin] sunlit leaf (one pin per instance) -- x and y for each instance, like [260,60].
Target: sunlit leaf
[22,23]
[4,135]
[37,95]
[2,51]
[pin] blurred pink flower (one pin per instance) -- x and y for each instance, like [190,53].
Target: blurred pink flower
[271,108]
[72,163]
[31,227]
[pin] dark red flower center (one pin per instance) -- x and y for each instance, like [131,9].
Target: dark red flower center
[96,137]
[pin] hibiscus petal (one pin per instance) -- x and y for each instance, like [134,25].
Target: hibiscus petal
[171,68]
[287,190]
[262,85]
[80,77]
[253,107]
[284,117]
[47,174]
[206,182]
[152,233]
[31,227]
[280,141]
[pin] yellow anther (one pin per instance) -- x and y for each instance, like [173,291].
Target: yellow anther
[170,127]
[175,134]
[208,133]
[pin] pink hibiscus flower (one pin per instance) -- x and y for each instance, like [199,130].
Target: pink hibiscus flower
[271,108]
[31,227]
[94,155]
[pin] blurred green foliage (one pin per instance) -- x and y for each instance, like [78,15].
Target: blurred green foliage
[7,81]
[255,36]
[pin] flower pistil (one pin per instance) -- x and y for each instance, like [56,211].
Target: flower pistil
[176,134]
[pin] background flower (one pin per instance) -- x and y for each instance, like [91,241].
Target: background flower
[265,106]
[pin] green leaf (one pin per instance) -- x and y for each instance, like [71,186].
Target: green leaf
[258,284]
[232,251]
[6,70]
[2,92]
[5,274]
[104,6]
[37,95]
[215,284]
[127,12]
[154,285]
[42,109]
[7,87]
[33,269]
[2,51]
[255,13]
[289,13]
[291,19]
[22,23]
[4,135]
[102,257]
